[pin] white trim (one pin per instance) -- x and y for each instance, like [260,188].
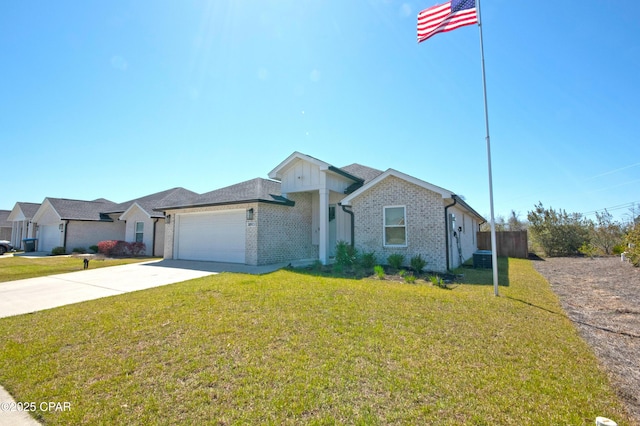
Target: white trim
[276,173]
[384,227]
[124,215]
[46,204]
[135,231]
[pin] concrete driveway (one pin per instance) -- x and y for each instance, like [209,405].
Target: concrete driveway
[35,294]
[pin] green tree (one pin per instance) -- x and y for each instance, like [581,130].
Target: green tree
[557,232]
[605,233]
[633,240]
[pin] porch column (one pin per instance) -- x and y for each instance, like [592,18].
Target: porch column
[324,226]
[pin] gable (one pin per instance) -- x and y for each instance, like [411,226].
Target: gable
[391,173]
[46,213]
[134,211]
[394,191]
[23,211]
[300,172]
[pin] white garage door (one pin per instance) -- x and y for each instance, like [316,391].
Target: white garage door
[48,237]
[218,236]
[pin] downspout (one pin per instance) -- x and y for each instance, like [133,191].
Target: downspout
[446,225]
[353,225]
[64,244]
[153,247]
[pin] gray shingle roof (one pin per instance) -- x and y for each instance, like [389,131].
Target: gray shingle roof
[171,196]
[81,210]
[363,172]
[4,214]
[29,209]
[253,190]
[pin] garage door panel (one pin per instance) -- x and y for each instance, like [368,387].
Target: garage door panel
[49,237]
[217,236]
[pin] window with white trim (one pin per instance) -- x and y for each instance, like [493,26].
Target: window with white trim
[139,231]
[395,226]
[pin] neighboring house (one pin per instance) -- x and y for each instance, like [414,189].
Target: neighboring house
[5,226]
[61,222]
[145,225]
[22,227]
[310,205]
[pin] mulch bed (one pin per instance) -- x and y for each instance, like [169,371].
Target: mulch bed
[602,297]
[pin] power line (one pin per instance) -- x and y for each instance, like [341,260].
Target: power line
[613,208]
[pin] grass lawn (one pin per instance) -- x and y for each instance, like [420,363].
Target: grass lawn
[292,348]
[18,268]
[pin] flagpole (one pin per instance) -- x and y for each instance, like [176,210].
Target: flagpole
[494,247]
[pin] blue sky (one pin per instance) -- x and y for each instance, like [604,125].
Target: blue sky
[122,99]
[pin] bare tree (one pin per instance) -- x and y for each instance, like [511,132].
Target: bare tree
[514,223]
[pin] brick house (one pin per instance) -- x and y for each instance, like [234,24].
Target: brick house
[308,205]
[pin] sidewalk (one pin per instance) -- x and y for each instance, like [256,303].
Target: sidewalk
[9,414]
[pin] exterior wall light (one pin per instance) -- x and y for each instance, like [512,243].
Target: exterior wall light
[250,214]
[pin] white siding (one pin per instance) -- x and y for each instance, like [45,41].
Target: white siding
[133,215]
[84,234]
[467,236]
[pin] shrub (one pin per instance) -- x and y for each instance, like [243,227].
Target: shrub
[395,260]
[379,271]
[79,250]
[437,281]
[418,263]
[633,241]
[346,254]
[106,247]
[368,260]
[557,232]
[588,249]
[57,251]
[93,248]
[618,249]
[136,249]
[410,278]
[120,248]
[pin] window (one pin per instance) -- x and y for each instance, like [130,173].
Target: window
[395,229]
[139,231]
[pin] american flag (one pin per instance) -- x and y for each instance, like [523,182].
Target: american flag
[446,17]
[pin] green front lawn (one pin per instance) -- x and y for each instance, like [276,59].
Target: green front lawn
[18,268]
[290,348]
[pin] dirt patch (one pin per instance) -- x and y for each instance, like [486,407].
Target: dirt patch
[602,297]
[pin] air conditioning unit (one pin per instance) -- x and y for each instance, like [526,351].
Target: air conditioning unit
[482,259]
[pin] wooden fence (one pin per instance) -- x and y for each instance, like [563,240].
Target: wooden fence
[510,243]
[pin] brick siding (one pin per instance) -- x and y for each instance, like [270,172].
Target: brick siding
[276,234]
[424,217]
